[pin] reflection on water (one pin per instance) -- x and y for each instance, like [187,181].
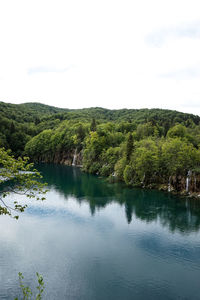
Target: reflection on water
[94,240]
[175,213]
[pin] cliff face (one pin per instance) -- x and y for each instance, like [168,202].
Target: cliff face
[70,159]
[188,185]
[65,158]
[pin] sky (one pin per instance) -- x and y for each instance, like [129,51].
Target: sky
[109,53]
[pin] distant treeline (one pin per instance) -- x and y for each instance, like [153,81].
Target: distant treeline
[139,147]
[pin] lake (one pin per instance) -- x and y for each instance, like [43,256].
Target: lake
[94,240]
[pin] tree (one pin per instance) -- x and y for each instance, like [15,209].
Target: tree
[177,131]
[23,180]
[178,157]
[128,175]
[145,160]
[40,145]
[93,126]
[129,146]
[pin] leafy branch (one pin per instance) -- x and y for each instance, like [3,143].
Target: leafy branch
[23,180]
[27,292]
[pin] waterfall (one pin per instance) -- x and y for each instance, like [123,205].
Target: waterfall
[169,184]
[143,180]
[74,158]
[188,181]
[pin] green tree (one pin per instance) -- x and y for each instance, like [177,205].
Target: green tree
[177,131]
[23,180]
[109,159]
[178,157]
[129,146]
[145,160]
[93,126]
[128,175]
[119,168]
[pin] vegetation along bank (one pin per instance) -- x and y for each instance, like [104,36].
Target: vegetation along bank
[151,148]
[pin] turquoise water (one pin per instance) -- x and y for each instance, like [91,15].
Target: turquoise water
[95,240]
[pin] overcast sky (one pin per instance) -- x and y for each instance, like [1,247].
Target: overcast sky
[108,53]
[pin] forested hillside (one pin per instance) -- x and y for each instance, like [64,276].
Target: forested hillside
[145,147]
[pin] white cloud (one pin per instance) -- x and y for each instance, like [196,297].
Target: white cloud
[95,53]
[185,30]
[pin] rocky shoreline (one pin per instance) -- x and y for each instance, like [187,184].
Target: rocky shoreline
[188,186]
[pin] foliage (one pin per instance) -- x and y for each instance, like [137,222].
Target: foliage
[93,125]
[23,180]
[128,175]
[145,159]
[141,146]
[109,159]
[129,146]
[19,123]
[120,167]
[177,131]
[26,291]
[178,157]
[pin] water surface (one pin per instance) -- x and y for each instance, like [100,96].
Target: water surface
[95,240]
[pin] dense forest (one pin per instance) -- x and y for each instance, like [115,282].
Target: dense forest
[142,147]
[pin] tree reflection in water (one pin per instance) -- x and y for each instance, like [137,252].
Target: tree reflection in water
[176,213]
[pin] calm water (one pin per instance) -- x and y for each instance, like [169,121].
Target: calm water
[95,240]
